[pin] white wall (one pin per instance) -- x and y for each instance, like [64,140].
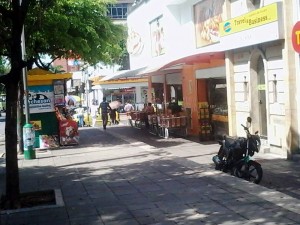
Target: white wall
[240,7]
[276,110]
[179,31]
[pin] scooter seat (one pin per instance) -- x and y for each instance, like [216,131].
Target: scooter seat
[230,141]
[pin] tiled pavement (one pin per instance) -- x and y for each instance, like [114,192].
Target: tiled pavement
[123,176]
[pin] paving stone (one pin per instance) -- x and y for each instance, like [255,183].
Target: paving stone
[118,191]
[123,222]
[117,215]
[76,211]
[141,206]
[96,220]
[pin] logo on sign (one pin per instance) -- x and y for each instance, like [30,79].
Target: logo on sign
[38,99]
[227,27]
[296,37]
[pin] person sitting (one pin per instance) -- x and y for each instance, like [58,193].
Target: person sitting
[144,108]
[174,107]
[149,109]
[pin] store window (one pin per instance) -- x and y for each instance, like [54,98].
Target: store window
[117,11]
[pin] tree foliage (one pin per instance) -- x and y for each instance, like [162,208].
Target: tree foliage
[58,28]
[68,29]
[72,29]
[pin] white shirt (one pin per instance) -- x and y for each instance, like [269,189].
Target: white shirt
[128,107]
[94,110]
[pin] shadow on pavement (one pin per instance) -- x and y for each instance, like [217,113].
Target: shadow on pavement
[144,136]
[115,185]
[279,174]
[146,192]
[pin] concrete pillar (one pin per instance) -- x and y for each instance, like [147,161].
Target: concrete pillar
[291,110]
[138,94]
[100,95]
[230,93]
[166,91]
[149,93]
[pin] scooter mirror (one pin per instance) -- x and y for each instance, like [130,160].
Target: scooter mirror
[249,120]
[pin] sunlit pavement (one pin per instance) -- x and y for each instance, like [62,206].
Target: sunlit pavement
[127,176]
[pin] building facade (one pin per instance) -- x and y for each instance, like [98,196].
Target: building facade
[233,57]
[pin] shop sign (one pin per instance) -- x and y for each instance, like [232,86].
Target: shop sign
[37,124]
[259,26]
[256,18]
[296,37]
[40,99]
[261,87]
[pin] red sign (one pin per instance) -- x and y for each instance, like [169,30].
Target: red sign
[68,132]
[296,37]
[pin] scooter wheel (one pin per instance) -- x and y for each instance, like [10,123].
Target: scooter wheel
[253,173]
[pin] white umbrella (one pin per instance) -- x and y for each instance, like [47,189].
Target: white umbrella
[72,98]
[114,104]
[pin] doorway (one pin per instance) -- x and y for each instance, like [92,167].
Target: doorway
[261,84]
[258,97]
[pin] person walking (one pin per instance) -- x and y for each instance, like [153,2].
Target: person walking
[128,108]
[104,108]
[113,116]
[94,112]
[80,116]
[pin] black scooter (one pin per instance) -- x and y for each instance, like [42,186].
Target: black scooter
[234,156]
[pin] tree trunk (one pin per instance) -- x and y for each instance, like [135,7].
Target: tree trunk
[12,84]
[12,172]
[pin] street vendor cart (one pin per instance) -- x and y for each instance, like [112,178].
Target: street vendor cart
[48,114]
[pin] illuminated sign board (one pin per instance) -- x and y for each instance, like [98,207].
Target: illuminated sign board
[256,18]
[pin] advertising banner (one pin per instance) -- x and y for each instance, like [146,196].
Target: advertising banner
[41,99]
[256,18]
[207,16]
[68,132]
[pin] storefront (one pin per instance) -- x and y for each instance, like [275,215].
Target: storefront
[124,85]
[48,114]
[213,109]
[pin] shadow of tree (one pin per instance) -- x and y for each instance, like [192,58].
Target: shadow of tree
[108,184]
[140,188]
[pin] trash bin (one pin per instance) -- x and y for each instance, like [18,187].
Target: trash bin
[28,139]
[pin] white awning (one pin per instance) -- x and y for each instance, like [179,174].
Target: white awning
[124,74]
[117,86]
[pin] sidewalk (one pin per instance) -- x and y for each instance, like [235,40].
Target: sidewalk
[121,176]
